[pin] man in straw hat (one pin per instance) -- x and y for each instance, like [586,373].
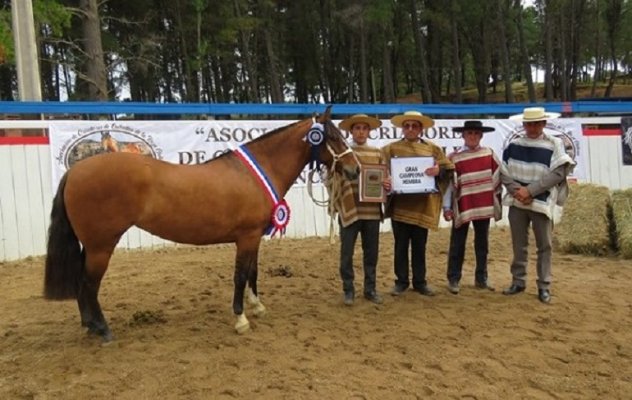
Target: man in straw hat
[474,197]
[534,170]
[413,214]
[359,217]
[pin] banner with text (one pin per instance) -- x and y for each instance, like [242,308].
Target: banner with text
[195,142]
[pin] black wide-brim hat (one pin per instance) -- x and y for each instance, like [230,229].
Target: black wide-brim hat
[473,126]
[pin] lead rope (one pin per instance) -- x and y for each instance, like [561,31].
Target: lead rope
[333,183]
[331,180]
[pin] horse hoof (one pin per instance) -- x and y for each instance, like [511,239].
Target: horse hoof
[107,337]
[104,333]
[242,328]
[259,310]
[242,325]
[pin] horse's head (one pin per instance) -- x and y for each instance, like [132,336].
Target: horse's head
[336,152]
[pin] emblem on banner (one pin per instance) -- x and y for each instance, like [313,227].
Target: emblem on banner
[108,138]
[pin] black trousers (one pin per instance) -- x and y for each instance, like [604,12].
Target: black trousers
[458,239]
[415,237]
[369,232]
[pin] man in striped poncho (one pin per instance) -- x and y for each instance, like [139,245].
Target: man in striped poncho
[473,197]
[356,217]
[534,169]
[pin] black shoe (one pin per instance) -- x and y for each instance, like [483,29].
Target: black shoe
[484,285]
[425,290]
[513,289]
[544,295]
[453,287]
[373,297]
[348,300]
[398,289]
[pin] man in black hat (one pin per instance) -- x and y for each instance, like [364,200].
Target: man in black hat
[474,196]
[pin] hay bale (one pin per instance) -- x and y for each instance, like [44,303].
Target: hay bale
[585,226]
[622,215]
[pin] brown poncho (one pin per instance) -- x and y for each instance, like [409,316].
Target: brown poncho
[418,209]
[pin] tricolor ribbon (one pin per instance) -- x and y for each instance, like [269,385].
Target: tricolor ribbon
[280,209]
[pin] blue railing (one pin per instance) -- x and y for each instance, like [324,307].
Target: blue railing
[116,108]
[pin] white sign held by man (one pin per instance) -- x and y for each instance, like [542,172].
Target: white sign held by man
[409,176]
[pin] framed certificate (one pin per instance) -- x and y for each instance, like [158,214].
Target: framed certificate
[408,175]
[370,183]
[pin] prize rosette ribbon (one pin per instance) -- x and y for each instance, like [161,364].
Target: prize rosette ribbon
[280,217]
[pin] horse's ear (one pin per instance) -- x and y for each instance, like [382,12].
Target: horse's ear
[326,116]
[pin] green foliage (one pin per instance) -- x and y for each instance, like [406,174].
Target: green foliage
[53,14]
[237,50]
[6,37]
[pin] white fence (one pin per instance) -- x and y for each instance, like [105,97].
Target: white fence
[26,194]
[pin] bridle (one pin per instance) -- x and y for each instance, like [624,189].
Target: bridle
[331,180]
[338,156]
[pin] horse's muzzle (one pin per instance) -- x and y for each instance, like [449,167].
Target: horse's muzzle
[351,172]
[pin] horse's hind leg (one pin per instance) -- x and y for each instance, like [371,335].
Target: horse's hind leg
[253,296]
[91,315]
[247,248]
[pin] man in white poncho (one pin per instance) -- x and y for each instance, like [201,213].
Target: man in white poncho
[534,169]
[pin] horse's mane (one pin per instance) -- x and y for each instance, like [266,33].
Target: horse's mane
[260,138]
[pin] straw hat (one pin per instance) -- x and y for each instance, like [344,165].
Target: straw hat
[473,126]
[398,120]
[534,114]
[347,123]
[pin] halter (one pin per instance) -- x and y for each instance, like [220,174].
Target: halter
[331,180]
[316,136]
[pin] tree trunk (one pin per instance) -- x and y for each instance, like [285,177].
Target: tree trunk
[456,59]
[562,54]
[435,44]
[388,94]
[364,68]
[276,92]
[504,51]
[524,55]
[614,12]
[190,91]
[95,73]
[548,55]
[597,54]
[249,60]
[421,48]
[351,66]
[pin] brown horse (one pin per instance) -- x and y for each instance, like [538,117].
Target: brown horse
[220,201]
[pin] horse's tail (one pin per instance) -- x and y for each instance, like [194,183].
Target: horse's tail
[64,257]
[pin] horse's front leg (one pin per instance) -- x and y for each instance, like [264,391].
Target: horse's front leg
[247,249]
